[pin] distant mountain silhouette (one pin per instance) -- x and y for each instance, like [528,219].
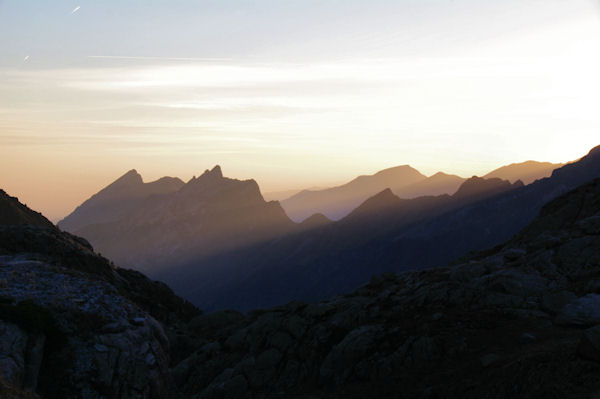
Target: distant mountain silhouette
[117,199]
[527,172]
[387,212]
[404,181]
[384,234]
[218,243]
[337,202]
[207,215]
[314,263]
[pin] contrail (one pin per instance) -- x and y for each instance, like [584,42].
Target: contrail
[75,9]
[120,57]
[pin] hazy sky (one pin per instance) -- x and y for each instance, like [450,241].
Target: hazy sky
[291,93]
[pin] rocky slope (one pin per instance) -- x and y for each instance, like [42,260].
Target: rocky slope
[72,325]
[520,320]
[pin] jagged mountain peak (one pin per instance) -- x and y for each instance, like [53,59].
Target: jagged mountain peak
[213,181]
[215,172]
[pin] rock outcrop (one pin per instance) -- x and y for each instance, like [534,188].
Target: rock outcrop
[73,325]
[59,325]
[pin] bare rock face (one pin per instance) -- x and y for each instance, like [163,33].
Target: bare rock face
[12,353]
[72,324]
[67,335]
[584,311]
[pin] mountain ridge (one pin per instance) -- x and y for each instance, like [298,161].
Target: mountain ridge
[207,215]
[527,171]
[421,233]
[117,199]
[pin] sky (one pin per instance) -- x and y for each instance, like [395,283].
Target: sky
[291,93]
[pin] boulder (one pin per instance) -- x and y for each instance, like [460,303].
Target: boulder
[589,345]
[584,311]
[554,302]
[489,359]
[13,346]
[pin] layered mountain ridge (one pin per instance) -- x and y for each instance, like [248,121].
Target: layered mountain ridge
[527,172]
[336,202]
[219,244]
[404,181]
[384,234]
[207,215]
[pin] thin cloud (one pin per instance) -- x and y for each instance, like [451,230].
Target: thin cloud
[120,57]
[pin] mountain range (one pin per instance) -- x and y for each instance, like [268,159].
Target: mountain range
[208,215]
[404,181]
[517,320]
[219,244]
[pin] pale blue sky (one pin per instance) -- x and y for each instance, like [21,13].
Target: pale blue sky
[291,93]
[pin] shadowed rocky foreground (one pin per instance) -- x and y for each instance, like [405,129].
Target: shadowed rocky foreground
[518,320]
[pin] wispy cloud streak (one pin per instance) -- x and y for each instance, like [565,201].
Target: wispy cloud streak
[142,58]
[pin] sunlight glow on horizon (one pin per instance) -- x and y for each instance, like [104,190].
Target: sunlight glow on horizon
[457,104]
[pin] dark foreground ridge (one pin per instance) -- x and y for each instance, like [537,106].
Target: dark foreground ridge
[72,325]
[521,320]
